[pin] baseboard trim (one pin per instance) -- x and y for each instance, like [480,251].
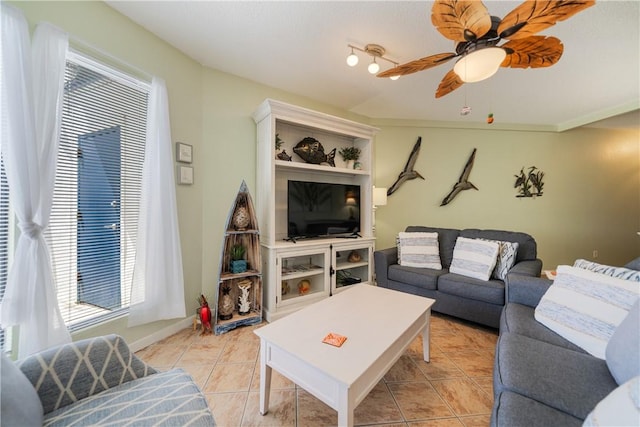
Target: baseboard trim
[161,334]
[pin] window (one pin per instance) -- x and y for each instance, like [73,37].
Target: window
[6,226]
[94,215]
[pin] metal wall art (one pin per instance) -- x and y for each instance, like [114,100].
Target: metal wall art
[529,184]
[463,182]
[408,173]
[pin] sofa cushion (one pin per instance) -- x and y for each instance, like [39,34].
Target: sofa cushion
[586,307]
[620,408]
[422,277]
[491,291]
[564,379]
[474,258]
[519,319]
[446,240]
[527,247]
[169,398]
[623,349]
[419,250]
[20,403]
[619,272]
[511,409]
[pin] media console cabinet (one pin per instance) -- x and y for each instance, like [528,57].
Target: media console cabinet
[296,274]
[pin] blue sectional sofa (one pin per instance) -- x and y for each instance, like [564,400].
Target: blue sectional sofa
[457,295]
[94,382]
[542,379]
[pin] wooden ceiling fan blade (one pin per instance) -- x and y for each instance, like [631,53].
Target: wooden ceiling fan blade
[449,83]
[532,16]
[532,52]
[461,20]
[418,65]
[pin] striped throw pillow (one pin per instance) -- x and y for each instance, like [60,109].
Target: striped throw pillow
[420,250]
[506,258]
[586,307]
[474,258]
[619,272]
[620,408]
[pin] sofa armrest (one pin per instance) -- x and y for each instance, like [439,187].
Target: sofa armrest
[383,258]
[526,290]
[530,267]
[65,374]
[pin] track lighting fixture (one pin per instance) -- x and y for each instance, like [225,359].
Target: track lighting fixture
[374,50]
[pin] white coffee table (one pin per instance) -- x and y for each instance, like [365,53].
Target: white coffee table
[379,325]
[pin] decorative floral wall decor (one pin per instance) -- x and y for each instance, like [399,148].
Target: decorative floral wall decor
[529,184]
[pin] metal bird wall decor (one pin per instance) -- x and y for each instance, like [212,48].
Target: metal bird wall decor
[531,179]
[463,182]
[470,25]
[408,173]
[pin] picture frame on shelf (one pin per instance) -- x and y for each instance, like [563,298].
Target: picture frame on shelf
[185,175]
[184,152]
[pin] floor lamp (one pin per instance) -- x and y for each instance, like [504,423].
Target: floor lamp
[379,199]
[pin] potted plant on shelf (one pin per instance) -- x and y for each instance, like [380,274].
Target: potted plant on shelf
[238,263]
[349,155]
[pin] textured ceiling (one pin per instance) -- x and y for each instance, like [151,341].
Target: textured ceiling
[301,47]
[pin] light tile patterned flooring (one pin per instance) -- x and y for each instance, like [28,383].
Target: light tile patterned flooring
[454,389]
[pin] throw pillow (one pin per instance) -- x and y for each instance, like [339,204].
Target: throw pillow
[506,258]
[586,307]
[621,407]
[474,258]
[620,272]
[20,404]
[419,250]
[623,349]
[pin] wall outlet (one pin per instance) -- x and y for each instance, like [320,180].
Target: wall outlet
[595,253]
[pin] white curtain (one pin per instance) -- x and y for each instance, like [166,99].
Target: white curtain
[32,84]
[158,285]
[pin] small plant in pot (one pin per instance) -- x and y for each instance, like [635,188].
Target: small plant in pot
[349,155]
[238,263]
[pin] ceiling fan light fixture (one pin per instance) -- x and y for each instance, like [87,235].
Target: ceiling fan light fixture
[394,78]
[479,64]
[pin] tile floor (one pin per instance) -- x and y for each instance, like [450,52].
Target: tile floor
[454,389]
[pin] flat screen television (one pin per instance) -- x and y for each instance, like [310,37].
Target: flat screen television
[318,209]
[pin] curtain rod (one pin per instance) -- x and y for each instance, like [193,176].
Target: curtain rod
[84,47]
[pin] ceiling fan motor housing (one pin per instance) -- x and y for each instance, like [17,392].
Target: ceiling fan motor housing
[473,43]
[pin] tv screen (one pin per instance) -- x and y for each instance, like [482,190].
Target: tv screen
[316,209]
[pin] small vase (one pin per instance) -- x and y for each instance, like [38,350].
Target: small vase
[349,164]
[225,312]
[241,218]
[238,266]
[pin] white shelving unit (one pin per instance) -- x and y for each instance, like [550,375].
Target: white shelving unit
[319,261]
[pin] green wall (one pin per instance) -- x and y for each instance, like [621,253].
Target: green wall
[591,197]
[592,181]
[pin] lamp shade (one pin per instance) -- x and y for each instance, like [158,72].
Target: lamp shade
[373,67]
[352,60]
[480,64]
[379,196]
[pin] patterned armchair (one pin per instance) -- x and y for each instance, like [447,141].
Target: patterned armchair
[98,381]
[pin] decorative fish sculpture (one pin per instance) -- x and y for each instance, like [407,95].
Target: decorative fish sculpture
[312,151]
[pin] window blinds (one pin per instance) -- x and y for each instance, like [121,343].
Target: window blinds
[92,230]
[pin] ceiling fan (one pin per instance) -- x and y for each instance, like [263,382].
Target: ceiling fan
[477,34]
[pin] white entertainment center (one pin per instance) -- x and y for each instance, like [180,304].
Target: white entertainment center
[320,266]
